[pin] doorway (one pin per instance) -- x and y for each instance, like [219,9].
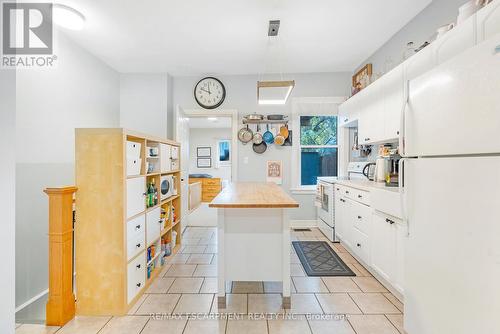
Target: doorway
[208,160]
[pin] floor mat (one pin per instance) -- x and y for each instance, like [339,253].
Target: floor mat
[319,259]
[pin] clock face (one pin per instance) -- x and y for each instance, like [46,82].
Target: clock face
[209,93]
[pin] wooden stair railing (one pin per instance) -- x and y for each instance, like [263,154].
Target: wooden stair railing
[60,306]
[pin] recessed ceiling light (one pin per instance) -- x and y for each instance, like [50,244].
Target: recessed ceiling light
[67,17]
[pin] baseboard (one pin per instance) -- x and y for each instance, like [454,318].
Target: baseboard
[303,223]
[32,300]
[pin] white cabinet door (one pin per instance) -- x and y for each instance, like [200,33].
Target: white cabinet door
[393,101]
[153,225]
[135,196]
[456,41]
[348,111]
[346,224]
[401,237]
[488,21]
[383,246]
[419,63]
[136,276]
[371,118]
[165,158]
[453,109]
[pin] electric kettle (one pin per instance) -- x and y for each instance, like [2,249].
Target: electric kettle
[369,171]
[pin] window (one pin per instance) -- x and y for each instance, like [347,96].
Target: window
[315,148]
[318,148]
[224,151]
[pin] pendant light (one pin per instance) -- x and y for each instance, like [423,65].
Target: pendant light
[274,92]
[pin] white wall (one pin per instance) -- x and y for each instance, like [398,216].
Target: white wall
[208,138]
[143,103]
[7,198]
[81,92]
[418,30]
[241,95]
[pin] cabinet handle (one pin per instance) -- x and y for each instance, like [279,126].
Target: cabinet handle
[358,244]
[359,217]
[359,196]
[137,227]
[138,245]
[389,221]
[342,200]
[338,188]
[159,221]
[347,191]
[138,285]
[138,266]
[367,139]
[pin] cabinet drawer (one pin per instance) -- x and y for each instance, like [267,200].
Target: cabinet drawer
[136,202]
[362,217]
[211,182]
[133,150]
[134,166]
[136,276]
[211,189]
[358,195]
[136,227]
[153,225]
[135,245]
[361,245]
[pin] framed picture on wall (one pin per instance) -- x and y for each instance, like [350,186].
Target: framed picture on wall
[204,163]
[204,152]
[274,172]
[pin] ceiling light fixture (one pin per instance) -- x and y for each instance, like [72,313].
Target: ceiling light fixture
[212,119]
[67,17]
[274,92]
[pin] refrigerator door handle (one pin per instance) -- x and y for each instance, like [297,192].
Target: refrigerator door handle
[406,98]
[402,194]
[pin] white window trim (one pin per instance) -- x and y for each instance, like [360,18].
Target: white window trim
[296,187]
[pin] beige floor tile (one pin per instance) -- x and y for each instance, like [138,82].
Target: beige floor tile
[18,325]
[362,270]
[246,326]
[190,241]
[235,303]
[164,269]
[212,249]
[189,249]
[294,259]
[372,324]
[160,285]
[194,303]
[129,324]
[374,303]
[309,284]
[397,321]
[265,303]
[355,270]
[137,304]
[395,301]
[288,326]
[84,325]
[296,270]
[181,270]
[209,285]
[214,260]
[347,258]
[340,284]
[331,326]
[307,238]
[248,287]
[209,326]
[178,259]
[200,259]
[338,247]
[170,326]
[163,303]
[303,303]
[186,285]
[277,287]
[36,329]
[337,303]
[206,270]
[369,284]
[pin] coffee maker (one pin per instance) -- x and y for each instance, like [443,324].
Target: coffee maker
[392,173]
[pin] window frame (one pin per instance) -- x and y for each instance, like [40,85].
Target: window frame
[296,186]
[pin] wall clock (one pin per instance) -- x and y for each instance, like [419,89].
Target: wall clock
[209,93]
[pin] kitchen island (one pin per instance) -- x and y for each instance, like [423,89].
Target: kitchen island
[253,231]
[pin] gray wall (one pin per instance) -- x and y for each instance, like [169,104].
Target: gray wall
[81,92]
[199,137]
[242,95]
[7,198]
[143,103]
[420,29]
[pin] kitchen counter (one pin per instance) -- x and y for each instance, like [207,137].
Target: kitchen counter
[253,234]
[366,185]
[253,195]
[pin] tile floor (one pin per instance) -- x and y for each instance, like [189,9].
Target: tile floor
[187,285]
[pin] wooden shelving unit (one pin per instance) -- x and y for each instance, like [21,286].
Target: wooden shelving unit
[121,243]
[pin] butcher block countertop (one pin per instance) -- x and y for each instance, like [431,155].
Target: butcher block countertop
[253,195]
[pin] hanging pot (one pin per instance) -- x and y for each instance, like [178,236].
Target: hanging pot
[257,136]
[245,135]
[275,117]
[284,131]
[254,117]
[268,136]
[279,140]
[260,148]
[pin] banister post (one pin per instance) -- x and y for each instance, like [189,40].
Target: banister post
[60,306]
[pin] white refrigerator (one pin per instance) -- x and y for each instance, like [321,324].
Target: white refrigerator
[451,195]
